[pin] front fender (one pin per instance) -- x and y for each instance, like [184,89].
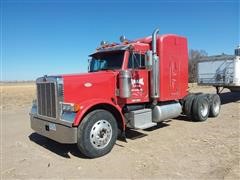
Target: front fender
[86,105]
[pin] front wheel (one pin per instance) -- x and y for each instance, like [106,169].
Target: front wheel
[97,133]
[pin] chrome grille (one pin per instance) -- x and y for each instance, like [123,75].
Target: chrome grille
[46,96]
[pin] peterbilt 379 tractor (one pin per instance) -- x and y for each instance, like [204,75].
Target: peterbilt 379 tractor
[132,84]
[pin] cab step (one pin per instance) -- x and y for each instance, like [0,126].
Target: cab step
[145,126]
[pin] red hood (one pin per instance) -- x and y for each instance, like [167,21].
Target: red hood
[87,86]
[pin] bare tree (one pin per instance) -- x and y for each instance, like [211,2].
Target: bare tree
[194,56]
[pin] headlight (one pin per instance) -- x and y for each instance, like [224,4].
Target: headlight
[70,107]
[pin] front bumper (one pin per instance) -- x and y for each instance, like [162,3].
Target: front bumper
[60,133]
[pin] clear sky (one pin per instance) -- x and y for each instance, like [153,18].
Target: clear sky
[53,37]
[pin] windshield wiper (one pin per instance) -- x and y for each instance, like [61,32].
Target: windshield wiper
[104,69]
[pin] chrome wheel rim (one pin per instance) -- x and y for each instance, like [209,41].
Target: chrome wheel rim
[204,109]
[101,134]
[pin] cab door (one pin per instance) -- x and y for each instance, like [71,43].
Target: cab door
[139,91]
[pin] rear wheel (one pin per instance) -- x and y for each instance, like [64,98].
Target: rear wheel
[215,105]
[200,108]
[97,133]
[187,107]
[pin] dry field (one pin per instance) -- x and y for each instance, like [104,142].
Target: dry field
[175,149]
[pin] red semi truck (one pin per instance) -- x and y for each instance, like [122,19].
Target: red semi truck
[132,84]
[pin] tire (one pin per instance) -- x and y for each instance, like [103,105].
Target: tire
[188,104]
[215,105]
[200,108]
[97,133]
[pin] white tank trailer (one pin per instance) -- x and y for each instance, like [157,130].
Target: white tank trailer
[222,71]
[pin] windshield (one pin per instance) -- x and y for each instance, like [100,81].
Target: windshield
[106,61]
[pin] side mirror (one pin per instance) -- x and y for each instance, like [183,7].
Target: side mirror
[89,64]
[148,59]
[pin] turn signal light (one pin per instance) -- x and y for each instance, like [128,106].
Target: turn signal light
[70,107]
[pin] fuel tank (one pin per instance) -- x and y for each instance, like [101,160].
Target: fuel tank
[166,111]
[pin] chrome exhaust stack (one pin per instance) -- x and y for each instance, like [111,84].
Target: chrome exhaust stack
[154,41]
[155,69]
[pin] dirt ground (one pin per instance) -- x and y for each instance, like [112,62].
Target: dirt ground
[175,149]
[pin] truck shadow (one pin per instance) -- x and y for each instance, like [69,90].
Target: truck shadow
[183,118]
[63,150]
[135,134]
[229,97]
[158,126]
[66,150]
